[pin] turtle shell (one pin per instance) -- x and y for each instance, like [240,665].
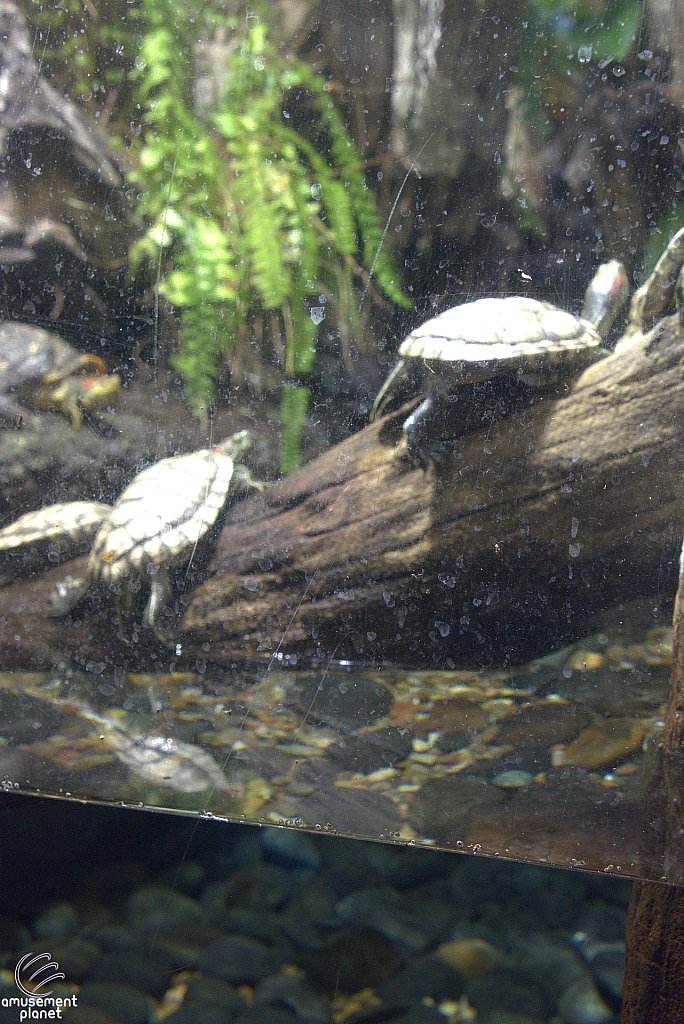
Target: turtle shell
[31,355]
[161,515]
[500,335]
[74,522]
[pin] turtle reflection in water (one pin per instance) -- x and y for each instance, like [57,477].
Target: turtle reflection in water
[41,369]
[516,337]
[162,760]
[156,523]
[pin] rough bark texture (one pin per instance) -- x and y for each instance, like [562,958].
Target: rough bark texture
[447,99]
[654,966]
[533,522]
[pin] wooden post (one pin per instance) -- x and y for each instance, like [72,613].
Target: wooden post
[654,968]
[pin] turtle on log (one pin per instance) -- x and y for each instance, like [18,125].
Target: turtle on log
[40,369]
[156,523]
[516,337]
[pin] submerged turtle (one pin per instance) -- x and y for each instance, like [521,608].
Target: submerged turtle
[516,337]
[156,523]
[41,369]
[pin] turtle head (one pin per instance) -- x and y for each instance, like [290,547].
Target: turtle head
[236,445]
[606,295]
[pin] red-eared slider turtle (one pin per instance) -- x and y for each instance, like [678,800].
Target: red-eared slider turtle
[501,337]
[41,369]
[156,523]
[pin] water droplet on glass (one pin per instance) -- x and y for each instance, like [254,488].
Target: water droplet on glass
[317,314]
[316,190]
[259,63]
[444,628]
[251,584]
[618,71]
[584,53]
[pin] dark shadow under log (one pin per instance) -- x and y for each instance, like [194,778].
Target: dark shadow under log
[533,523]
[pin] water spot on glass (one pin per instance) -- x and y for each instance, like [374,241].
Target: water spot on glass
[179,650]
[574,550]
[584,53]
[645,54]
[443,628]
[317,314]
[371,636]
[259,63]
[646,458]
[251,583]
[574,527]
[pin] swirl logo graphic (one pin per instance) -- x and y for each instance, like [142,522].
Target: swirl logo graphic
[25,964]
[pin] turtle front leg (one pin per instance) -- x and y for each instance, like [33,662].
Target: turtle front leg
[243,480]
[421,430]
[160,593]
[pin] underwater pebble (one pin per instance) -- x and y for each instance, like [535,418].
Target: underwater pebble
[352,959]
[76,957]
[470,957]
[425,977]
[442,805]
[123,1002]
[585,661]
[208,1001]
[505,997]
[603,743]
[607,962]
[288,849]
[379,909]
[57,922]
[265,1015]
[582,1004]
[513,779]
[293,993]
[150,971]
[158,906]
[238,960]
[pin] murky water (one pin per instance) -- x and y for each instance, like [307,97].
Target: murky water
[550,761]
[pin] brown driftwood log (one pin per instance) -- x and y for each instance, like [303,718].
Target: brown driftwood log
[532,523]
[654,966]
